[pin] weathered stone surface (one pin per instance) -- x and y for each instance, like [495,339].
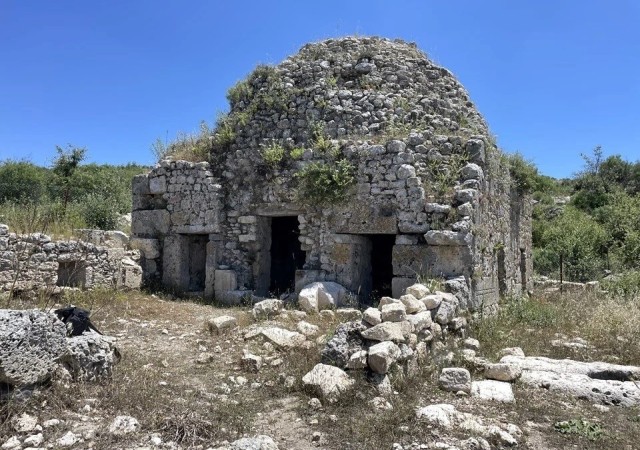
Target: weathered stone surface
[347,314]
[308,329]
[31,342]
[260,442]
[447,238]
[221,324]
[493,390]
[609,384]
[346,341]
[412,304]
[419,321]
[502,372]
[251,362]
[431,301]
[358,360]
[150,248]
[382,356]
[90,356]
[278,336]
[122,425]
[321,295]
[372,316]
[511,351]
[418,290]
[388,331]
[393,312]
[454,379]
[387,301]
[471,344]
[441,415]
[445,313]
[328,382]
[267,308]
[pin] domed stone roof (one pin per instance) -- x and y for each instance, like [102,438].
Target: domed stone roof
[353,88]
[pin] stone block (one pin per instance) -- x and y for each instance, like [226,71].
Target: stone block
[150,248]
[224,282]
[158,185]
[150,223]
[140,185]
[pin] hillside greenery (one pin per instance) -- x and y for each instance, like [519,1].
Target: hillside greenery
[591,221]
[65,196]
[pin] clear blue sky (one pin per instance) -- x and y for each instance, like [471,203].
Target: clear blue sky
[553,78]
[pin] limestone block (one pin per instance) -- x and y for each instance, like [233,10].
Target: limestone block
[225,280]
[412,304]
[475,148]
[221,324]
[149,223]
[382,356]
[140,185]
[328,382]
[322,295]
[393,312]
[472,172]
[346,341]
[447,237]
[31,342]
[418,290]
[358,360]
[388,331]
[502,372]
[90,356]
[454,379]
[492,390]
[405,171]
[150,248]
[419,321]
[372,316]
[267,308]
[432,301]
[467,195]
[445,313]
[158,185]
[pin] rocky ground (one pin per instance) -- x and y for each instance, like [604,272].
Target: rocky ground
[190,378]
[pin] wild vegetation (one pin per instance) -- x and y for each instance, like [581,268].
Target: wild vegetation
[65,196]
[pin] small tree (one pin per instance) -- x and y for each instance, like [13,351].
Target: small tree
[64,167]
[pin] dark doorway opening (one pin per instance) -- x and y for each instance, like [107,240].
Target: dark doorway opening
[197,262]
[502,273]
[72,274]
[381,265]
[286,254]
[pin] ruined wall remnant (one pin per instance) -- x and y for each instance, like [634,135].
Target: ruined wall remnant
[34,262]
[356,160]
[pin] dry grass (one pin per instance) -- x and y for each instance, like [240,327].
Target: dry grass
[194,405]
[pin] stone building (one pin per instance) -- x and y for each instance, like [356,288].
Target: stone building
[358,161]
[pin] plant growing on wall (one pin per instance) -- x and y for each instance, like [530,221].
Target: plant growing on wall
[325,182]
[272,154]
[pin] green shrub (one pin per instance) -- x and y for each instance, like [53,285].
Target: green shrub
[296,153]
[326,182]
[524,174]
[273,154]
[100,212]
[625,285]
[581,427]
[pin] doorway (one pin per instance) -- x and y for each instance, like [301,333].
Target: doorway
[286,254]
[197,262]
[381,268]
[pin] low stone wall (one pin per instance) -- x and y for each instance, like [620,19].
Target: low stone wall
[35,262]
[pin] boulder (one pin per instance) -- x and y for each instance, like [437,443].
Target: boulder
[419,321]
[382,356]
[90,356]
[31,343]
[393,312]
[511,351]
[222,324]
[267,309]
[327,382]
[493,390]
[345,342]
[358,360]
[502,372]
[412,304]
[308,329]
[278,336]
[445,313]
[251,362]
[388,331]
[441,415]
[348,314]
[418,290]
[387,301]
[322,295]
[372,316]
[431,301]
[454,379]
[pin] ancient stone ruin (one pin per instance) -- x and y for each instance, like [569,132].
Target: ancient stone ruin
[36,262]
[357,161]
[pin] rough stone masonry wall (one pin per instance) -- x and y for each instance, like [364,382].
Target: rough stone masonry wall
[35,262]
[426,172]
